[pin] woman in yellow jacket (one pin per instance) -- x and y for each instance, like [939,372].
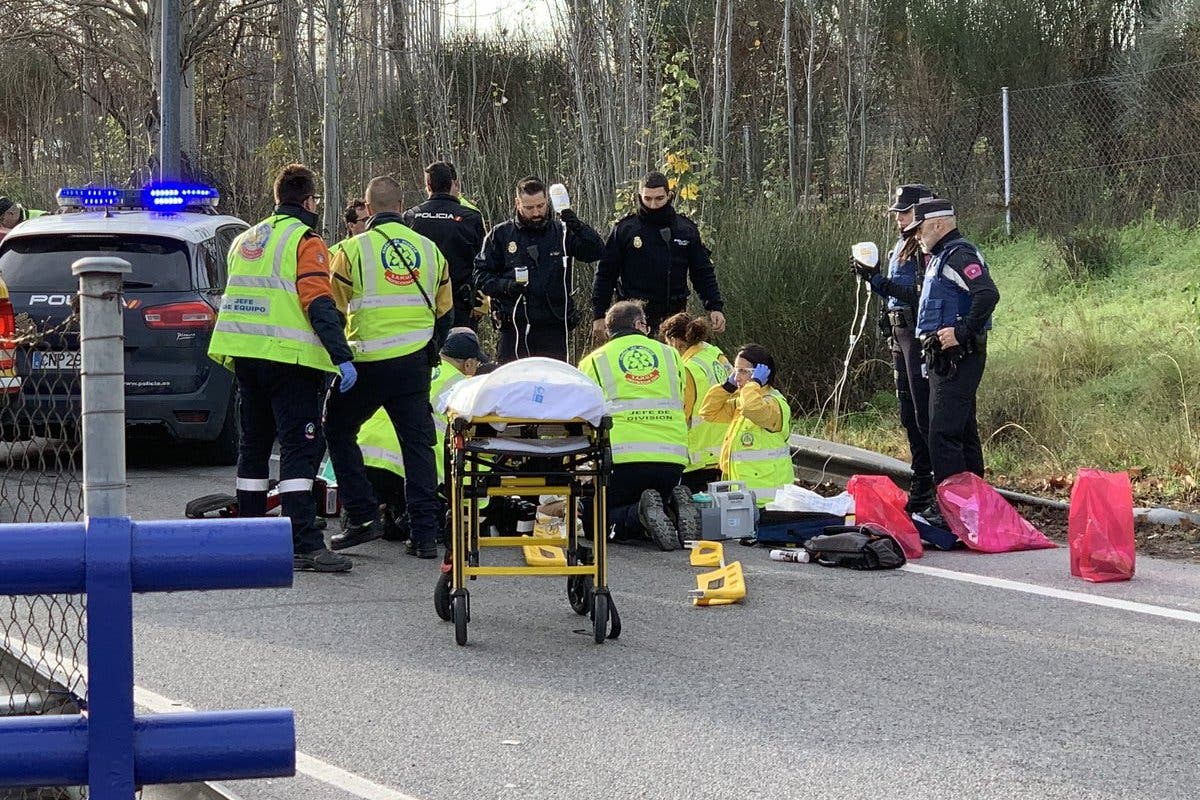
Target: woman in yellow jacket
[755,449]
[705,366]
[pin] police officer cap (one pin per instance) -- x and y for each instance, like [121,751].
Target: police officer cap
[5,204]
[929,209]
[462,343]
[909,195]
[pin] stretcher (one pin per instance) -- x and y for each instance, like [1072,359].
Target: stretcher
[494,456]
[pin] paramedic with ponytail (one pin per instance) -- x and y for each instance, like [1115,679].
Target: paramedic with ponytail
[755,450]
[525,268]
[705,366]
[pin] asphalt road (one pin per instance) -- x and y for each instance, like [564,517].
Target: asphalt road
[825,683]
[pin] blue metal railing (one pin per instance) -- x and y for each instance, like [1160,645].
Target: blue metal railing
[110,748]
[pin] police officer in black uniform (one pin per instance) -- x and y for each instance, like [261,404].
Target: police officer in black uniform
[899,287]
[522,268]
[456,229]
[649,256]
[953,318]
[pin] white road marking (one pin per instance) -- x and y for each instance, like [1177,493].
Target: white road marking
[308,765]
[1058,594]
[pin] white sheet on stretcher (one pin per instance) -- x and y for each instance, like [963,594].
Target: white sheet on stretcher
[529,388]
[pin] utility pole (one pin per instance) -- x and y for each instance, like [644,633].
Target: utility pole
[168,93]
[332,183]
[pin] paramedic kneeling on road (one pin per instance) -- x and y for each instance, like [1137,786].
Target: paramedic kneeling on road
[755,451]
[642,382]
[705,366]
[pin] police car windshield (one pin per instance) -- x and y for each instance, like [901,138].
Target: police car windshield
[43,263]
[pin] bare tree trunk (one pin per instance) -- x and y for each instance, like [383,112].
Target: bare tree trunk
[790,100]
[728,101]
[330,172]
[809,70]
[714,140]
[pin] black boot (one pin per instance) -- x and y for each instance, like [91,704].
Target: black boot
[920,493]
[355,534]
[933,516]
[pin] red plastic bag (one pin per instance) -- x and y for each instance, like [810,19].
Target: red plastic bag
[1100,526]
[984,520]
[877,500]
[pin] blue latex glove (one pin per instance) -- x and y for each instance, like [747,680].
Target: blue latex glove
[349,376]
[761,374]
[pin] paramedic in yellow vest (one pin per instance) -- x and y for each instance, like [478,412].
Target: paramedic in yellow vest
[280,332]
[642,380]
[13,214]
[705,366]
[755,450]
[394,287]
[355,216]
[384,462]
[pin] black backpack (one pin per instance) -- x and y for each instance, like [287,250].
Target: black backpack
[856,547]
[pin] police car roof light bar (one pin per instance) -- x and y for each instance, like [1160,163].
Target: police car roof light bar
[165,197]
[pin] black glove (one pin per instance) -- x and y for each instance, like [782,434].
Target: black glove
[863,271]
[570,218]
[515,288]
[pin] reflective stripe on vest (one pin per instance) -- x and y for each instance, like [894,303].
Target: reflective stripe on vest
[260,314]
[389,317]
[704,437]
[758,457]
[643,394]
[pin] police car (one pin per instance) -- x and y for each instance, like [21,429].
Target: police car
[176,243]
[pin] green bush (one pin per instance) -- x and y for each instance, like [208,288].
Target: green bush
[787,286]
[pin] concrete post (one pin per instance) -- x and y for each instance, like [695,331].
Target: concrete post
[102,380]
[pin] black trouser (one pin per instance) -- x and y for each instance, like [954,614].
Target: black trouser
[281,401]
[388,488]
[401,387]
[953,432]
[548,341]
[625,488]
[912,390]
[699,479]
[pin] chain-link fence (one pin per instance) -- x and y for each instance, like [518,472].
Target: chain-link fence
[43,653]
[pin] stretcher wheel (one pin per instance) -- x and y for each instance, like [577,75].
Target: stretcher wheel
[600,617]
[460,619]
[441,598]
[579,590]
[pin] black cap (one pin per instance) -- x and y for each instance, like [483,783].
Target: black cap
[5,204]
[929,209]
[462,343]
[908,195]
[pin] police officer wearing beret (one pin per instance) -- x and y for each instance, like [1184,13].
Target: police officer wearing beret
[953,318]
[899,287]
[650,256]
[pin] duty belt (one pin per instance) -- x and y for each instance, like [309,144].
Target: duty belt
[901,317]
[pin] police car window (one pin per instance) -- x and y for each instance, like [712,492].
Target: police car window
[210,269]
[43,263]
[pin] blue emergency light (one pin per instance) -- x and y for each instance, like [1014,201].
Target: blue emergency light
[164,197]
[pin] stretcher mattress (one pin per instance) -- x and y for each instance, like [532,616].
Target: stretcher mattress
[530,388]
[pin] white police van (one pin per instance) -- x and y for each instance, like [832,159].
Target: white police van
[176,243]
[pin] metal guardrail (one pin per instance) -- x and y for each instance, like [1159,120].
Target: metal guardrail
[106,746]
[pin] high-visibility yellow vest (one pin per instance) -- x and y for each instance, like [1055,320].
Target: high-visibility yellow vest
[377,438]
[260,314]
[336,248]
[758,457]
[31,213]
[708,367]
[388,316]
[642,381]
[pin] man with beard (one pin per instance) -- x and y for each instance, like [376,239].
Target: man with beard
[525,267]
[650,256]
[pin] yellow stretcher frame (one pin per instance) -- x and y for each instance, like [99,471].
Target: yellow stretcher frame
[473,471]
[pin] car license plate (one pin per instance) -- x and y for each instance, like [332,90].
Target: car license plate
[45,360]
